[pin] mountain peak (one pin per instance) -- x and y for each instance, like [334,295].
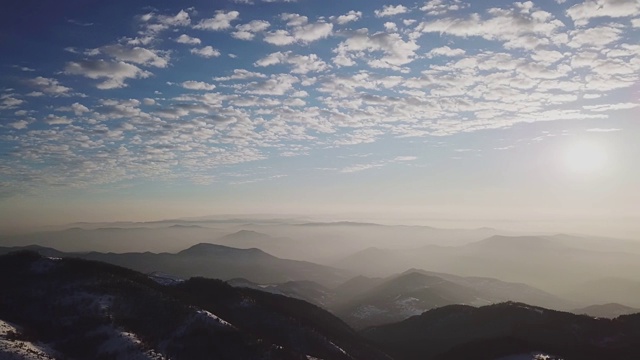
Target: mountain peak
[205,249]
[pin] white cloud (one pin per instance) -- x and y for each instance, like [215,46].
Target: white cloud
[206,52]
[48,85]
[220,21]
[302,64]
[405,158]
[594,37]
[301,31]
[603,130]
[19,125]
[248,31]
[441,7]
[445,51]
[312,32]
[240,74]
[57,120]
[348,17]
[279,38]
[609,107]
[77,108]
[519,27]
[390,10]
[397,52]
[583,12]
[186,39]
[180,19]
[197,85]
[115,73]
[136,55]
[635,23]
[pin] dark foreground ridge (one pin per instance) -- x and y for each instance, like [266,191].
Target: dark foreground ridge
[81,309]
[69,308]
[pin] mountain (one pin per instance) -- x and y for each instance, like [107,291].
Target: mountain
[611,310]
[220,262]
[308,291]
[607,290]
[246,239]
[415,291]
[170,237]
[402,297]
[544,262]
[80,309]
[502,330]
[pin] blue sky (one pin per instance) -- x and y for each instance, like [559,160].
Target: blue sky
[118,109]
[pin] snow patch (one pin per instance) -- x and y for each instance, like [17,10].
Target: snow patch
[11,349]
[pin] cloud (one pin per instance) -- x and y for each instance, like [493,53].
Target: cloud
[609,107]
[301,64]
[248,31]
[602,130]
[522,26]
[57,120]
[583,12]
[48,86]
[220,21]
[594,37]
[275,85]
[136,55]
[405,158]
[348,17]
[115,73]
[445,51]
[19,125]
[300,31]
[197,85]
[390,10]
[240,74]
[186,39]
[397,52]
[9,101]
[206,52]
[360,167]
[180,19]
[76,108]
[441,7]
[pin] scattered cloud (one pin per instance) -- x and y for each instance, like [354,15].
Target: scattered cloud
[390,10]
[220,21]
[48,86]
[351,16]
[197,85]
[114,73]
[603,130]
[206,52]
[186,39]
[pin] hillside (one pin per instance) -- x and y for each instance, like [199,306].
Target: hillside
[501,330]
[90,310]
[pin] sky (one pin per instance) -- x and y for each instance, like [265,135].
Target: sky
[480,112]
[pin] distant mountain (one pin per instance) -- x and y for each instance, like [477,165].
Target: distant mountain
[545,262]
[245,239]
[119,238]
[415,291]
[79,309]
[495,331]
[606,290]
[611,310]
[308,291]
[219,262]
[404,296]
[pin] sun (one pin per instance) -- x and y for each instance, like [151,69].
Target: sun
[585,157]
